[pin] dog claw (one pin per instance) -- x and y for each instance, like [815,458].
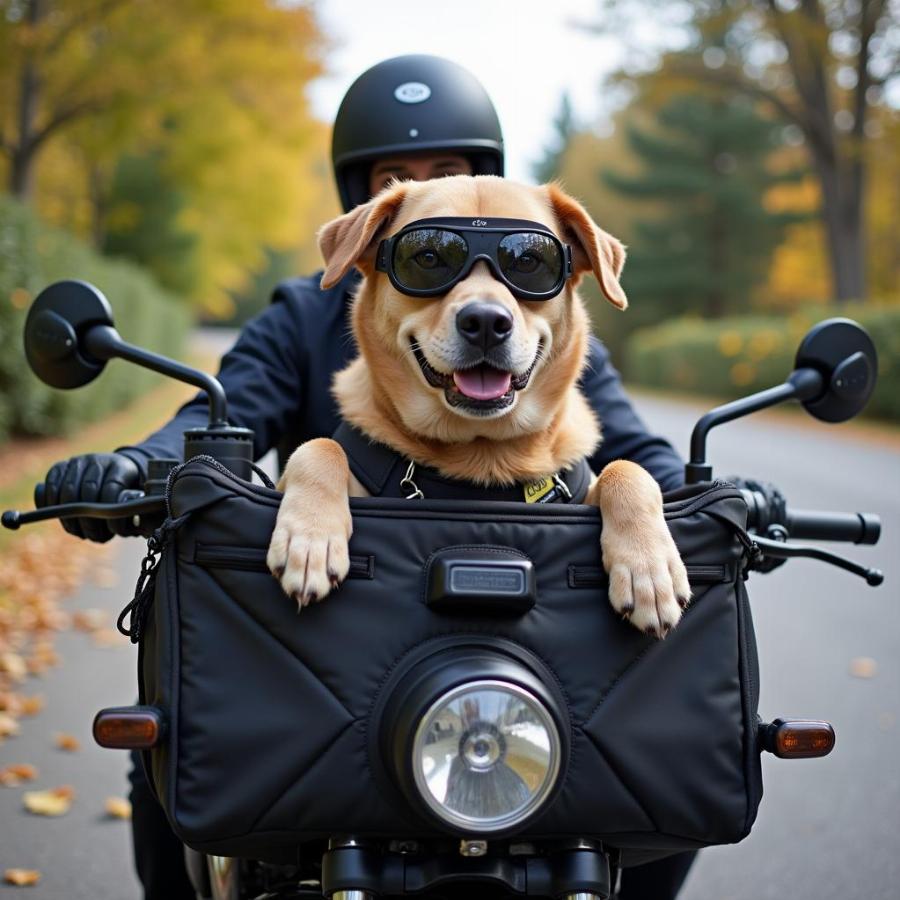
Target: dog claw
[311,597]
[683,602]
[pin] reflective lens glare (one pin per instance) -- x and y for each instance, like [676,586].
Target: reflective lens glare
[486,755]
[531,262]
[429,258]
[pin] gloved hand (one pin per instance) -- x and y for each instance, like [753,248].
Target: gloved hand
[91,478]
[776,504]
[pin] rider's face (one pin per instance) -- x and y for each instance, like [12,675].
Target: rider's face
[416,167]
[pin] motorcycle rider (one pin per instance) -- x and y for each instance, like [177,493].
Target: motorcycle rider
[411,117]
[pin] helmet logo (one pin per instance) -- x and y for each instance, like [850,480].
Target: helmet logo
[412,92]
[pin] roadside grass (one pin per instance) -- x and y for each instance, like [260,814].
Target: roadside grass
[24,462]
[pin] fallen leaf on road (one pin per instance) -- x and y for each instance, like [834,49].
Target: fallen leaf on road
[106,577]
[31,706]
[12,776]
[107,637]
[14,666]
[863,667]
[22,877]
[67,742]
[8,726]
[117,808]
[89,619]
[11,702]
[55,802]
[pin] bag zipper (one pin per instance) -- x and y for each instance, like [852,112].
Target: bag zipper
[253,559]
[595,576]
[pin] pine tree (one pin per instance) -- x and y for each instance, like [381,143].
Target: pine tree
[564,129]
[706,166]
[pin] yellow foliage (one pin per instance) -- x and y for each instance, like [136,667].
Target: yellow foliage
[742,373]
[799,270]
[215,86]
[730,343]
[883,198]
[762,344]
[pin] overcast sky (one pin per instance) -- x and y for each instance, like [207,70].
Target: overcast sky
[525,52]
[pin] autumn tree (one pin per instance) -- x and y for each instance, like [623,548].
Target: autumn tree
[564,130]
[821,65]
[706,163]
[212,91]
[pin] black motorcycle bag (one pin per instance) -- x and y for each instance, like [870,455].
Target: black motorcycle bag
[268,711]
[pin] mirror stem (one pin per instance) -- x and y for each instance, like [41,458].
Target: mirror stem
[103,342]
[802,384]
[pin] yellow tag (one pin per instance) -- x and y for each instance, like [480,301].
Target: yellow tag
[534,490]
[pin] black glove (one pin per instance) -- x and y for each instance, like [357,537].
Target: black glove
[775,503]
[92,478]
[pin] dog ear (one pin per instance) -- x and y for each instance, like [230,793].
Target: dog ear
[593,250]
[350,240]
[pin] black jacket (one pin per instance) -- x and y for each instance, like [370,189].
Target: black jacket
[278,377]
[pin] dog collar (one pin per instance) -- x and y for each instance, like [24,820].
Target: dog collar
[385,473]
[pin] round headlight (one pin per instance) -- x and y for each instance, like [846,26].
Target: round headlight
[486,755]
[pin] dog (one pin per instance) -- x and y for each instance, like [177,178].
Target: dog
[470,366]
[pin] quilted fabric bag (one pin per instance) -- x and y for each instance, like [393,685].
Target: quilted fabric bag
[271,715]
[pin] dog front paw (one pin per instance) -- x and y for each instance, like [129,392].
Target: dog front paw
[309,550]
[648,583]
[308,561]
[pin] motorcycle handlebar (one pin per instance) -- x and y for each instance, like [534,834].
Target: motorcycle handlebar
[860,528]
[809,524]
[130,503]
[856,528]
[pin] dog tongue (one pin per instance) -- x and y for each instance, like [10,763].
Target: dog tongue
[482,382]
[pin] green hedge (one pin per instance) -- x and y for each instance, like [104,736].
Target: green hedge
[736,356]
[32,255]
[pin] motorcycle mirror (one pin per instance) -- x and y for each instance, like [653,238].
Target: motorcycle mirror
[844,354]
[834,376]
[69,336]
[55,328]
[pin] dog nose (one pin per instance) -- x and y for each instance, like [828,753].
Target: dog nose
[485,325]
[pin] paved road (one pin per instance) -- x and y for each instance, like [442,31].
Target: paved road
[827,828]
[82,855]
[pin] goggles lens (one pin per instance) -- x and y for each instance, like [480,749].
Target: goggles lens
[531,262]
[429,258]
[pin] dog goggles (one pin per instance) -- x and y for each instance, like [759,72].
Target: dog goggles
[430,256]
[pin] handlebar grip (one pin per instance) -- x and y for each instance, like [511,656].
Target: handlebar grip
[810,524]
[858,528]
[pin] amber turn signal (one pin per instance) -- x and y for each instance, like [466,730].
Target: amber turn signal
[797,738]
[129,727]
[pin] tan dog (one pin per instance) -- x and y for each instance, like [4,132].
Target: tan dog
[406,390]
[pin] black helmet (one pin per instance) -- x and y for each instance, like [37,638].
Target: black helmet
[410,104]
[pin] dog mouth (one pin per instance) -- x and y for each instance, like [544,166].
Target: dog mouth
[480,388]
